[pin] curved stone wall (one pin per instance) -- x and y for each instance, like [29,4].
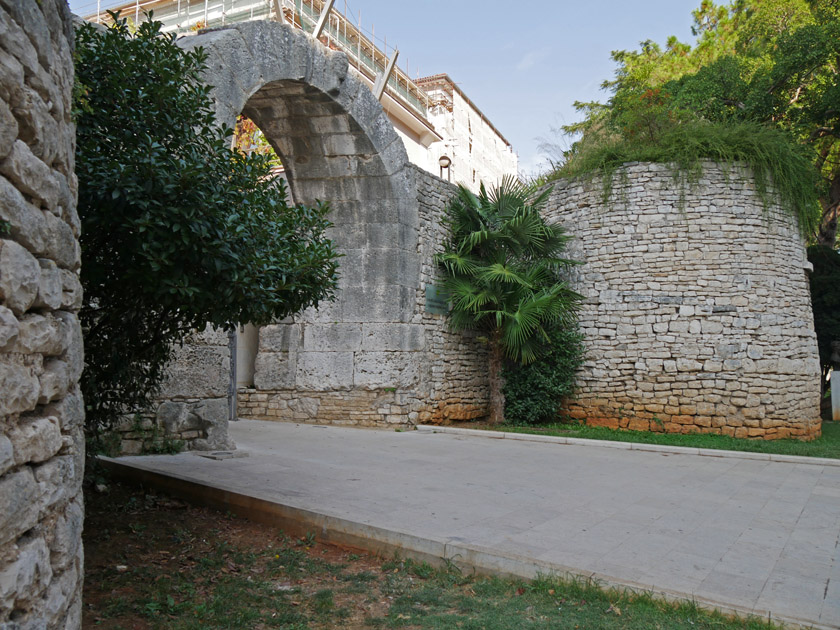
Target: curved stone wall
[41,411]
[698,312]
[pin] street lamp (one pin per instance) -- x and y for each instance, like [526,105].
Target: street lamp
[445,163]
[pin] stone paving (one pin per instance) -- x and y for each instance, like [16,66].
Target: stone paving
[744,535]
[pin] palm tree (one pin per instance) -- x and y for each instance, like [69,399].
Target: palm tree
[502,269]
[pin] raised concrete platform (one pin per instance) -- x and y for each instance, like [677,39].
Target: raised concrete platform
[742,535]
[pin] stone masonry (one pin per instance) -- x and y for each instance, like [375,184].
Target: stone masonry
[41,410]
[698,312]
[444,379]
[374,356]
[192,411]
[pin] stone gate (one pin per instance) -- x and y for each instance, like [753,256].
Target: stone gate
[376,355]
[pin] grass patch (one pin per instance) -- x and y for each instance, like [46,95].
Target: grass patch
[154,563]
[826,446]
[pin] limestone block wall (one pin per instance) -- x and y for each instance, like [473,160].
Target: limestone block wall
[698,314]
[192,408]
[41,410]
[396,372]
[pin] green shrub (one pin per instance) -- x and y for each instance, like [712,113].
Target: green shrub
[534,392]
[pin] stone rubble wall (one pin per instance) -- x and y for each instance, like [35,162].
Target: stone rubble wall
[698,312]
[436,375]
[41,352]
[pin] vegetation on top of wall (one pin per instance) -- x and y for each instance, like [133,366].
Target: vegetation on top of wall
[760,85]
[775,161]
[502,267]
[178,229]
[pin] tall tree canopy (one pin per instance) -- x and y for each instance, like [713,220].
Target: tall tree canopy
[178,229]
[773,63]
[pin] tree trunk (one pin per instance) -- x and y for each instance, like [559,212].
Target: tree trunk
[497,397]
[827,231]
[827,234]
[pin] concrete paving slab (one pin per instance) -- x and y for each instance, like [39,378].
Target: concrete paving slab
[733,533]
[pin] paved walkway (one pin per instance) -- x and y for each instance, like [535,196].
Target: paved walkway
[746,535]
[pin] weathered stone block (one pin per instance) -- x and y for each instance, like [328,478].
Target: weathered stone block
[332,337]
[375,370]
[49,286]
[321,371]
[41,334]
[32,176]
[9,327]
[174,417]
[275,370]
[20,388]
[56,380]
[20,276]
[280,338]
[35,440]
[24,578]
[402,337]
[18,504]
[197,372]
[7,456]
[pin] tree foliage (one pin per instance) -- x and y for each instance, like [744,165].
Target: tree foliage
[768,63]
[503,269]
[825,297]
[178,229]
[534,392]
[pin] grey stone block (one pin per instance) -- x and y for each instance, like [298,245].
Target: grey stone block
[375,370]
[332,337]
[20,388]
[280,337]
[275,370]
[32,176]
[323,371]
[9,327]
[35,440]
[27,575]
[18,504]
[383,303]
[384,337]
[20,276]
[197,372]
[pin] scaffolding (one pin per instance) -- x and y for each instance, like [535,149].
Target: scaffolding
[339,33]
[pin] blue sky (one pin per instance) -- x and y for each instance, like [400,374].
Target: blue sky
[522,63]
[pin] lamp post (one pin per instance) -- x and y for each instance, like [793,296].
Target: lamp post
[445,163]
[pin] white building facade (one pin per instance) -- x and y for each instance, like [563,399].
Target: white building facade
[432,116]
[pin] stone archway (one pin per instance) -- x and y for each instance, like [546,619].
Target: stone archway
[368,357]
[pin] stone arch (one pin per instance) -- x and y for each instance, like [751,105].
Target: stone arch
[337,144]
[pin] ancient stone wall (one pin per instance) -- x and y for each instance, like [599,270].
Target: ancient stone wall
[41,411]
[192,409]
[421,371]
[698,313]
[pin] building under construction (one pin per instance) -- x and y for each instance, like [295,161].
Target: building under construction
[437,122]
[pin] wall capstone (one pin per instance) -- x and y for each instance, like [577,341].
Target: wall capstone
[41,410]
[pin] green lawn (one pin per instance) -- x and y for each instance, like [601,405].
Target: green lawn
[155,563]
[826,446]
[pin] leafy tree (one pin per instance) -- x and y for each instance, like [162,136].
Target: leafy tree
[502,269]
[178,229]
[825,297]
[774,63]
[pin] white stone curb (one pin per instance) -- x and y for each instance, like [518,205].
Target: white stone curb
[630,446]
